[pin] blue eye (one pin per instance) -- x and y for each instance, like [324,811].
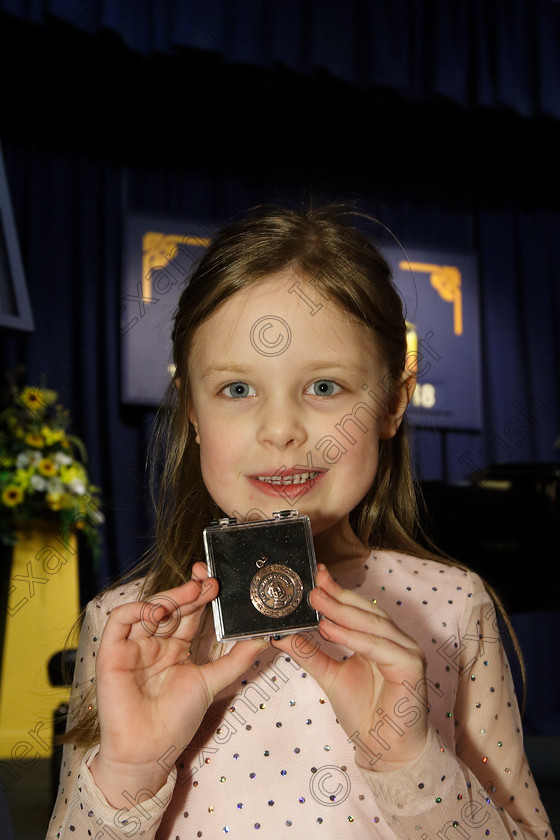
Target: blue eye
[324,388]
[237,390]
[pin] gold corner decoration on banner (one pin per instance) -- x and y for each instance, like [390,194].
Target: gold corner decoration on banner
[446,280]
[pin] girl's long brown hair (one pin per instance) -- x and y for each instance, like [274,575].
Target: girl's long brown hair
[326,247]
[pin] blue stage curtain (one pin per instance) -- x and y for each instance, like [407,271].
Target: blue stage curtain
[438,175]
[488,53]
[202,110]
[69,207]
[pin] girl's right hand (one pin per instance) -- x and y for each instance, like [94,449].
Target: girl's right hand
[151,697]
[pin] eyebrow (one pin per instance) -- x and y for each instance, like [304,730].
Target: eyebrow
[329,365]
[224,369]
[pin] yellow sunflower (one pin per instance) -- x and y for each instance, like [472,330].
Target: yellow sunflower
[37,399]
[12,495]
[31,398]
[34,439]
[47,467]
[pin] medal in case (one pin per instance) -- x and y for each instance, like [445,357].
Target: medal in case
[266,570]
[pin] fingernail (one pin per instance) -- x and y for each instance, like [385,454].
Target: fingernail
[277,638]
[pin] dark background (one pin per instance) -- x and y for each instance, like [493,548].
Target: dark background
[441,118]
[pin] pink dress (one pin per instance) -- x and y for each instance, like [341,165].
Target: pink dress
[270,759]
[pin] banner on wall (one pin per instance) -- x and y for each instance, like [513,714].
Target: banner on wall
[439,290]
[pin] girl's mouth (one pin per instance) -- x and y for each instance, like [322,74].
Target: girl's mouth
[290,485]
[283,480]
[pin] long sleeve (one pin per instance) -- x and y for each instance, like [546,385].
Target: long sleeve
[270,755]
[482,783]
[81,810]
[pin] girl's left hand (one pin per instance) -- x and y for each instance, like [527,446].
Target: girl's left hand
[368,686]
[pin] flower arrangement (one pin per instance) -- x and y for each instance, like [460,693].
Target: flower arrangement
[42,472]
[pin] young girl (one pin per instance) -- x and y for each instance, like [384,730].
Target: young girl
[398,718]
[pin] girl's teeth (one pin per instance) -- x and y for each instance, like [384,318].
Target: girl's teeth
[299,478]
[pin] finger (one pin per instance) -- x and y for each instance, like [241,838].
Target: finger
[385,652]
[183,607]
[199,572]
[196,592]
[188,598]
[225,670]
[310,656]
[395,663]
[121,620]
[358,619]
[361,614]
[327,583]
[201,575]
[159,613]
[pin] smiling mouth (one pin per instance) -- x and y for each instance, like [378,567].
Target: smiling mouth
[284,480]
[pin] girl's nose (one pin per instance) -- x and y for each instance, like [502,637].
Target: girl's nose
[281,424]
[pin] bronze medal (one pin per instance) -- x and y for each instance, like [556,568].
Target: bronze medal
[276,591]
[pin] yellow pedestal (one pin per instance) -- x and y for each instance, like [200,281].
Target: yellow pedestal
[42,606]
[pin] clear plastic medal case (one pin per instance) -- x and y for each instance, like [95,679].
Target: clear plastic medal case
[266,570]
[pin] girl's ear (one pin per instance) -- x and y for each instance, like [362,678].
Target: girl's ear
[190,410]
[398,403]
[192,418]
